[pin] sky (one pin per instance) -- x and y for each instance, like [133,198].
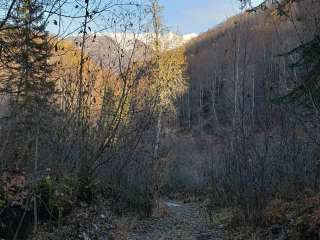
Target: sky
[196,16]
[180,16]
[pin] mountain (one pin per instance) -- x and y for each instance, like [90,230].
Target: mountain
[170,38]
[110,49]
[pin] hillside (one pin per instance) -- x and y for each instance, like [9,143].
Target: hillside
[234,119]
[144,134]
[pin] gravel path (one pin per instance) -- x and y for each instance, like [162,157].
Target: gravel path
[183,221]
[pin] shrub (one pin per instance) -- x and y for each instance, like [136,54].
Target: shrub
[15,212]
[87,188]
[57,197]
[133,199]
[275,212]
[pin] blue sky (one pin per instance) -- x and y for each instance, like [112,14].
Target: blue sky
[181,16]
[196,16]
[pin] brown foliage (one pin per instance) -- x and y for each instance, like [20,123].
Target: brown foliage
[14,187]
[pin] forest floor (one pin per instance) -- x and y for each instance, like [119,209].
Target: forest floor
[181,221]
[176,221]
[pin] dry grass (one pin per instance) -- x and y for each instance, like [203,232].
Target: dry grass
[124,226]
[160,209]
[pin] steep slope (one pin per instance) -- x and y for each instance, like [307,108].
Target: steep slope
[236,67]
[248,145]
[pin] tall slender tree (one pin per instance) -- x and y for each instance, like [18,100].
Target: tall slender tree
[27,78]
[28,85]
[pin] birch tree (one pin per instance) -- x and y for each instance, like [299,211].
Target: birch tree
[168,82]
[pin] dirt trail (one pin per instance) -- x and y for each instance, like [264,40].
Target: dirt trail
[183,221]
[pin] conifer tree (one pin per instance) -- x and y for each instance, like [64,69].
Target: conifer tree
[27,80]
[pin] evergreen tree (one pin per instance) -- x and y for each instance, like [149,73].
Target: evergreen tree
[27,80]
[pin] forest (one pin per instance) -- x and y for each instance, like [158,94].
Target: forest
[114,127]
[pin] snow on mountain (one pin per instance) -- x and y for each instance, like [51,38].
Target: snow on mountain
[169,39]
[105,48]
